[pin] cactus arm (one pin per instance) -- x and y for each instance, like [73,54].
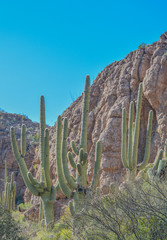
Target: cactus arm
[85,156]
[67,175]
[71,207]
[8,196]
[123,142]
[53,193]
[46,161]
[12,178]
[6,173]
[62,182]
[148,143]
[71,160]
[42,133]
[157,160]
[97,166]
[5,195]
[34,182]
[79,169]
[162,165]
[137,127]
[14,195]
[21,163]
[85,112]
[81,154]
[23,140]
[74,148]
[2,200]
[41,211]
[130,135]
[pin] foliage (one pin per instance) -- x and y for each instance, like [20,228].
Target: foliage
[25,206]
[142,45]
[9,228]
[138,211]
[62,230]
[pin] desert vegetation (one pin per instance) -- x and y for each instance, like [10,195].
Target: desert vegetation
[135,209]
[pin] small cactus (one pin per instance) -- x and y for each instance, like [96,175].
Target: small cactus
[159,169]
[9,193]
[129,159]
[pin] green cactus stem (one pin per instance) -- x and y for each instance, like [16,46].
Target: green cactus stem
[9,193]
[158,172]
[44,188]
[130,158]
[76,189]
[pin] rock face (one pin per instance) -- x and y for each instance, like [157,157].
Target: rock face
[112,90]
[6,121]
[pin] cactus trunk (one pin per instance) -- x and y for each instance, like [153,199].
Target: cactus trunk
[44,188]
[79,191]
[129,159]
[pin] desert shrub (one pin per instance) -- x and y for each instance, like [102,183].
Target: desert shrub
[25,206]
[142,45]
[138,211]
[9,228]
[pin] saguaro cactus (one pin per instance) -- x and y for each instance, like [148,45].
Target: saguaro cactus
[130,159]
[76,188]
[159,169]
[9,193]
[44,188]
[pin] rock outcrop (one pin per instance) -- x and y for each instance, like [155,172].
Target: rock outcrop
[112,90]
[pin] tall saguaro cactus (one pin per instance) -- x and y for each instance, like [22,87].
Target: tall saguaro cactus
[130,158]
[9,193]
[76,188]
[44,187]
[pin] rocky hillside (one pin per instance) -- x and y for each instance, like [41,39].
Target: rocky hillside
[112,90]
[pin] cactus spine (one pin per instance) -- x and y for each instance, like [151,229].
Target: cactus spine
[129,159]
[42,188]
[9,193]
[77,189]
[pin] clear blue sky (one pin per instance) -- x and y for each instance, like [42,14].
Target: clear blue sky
[48,47]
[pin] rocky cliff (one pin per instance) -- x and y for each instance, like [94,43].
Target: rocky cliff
[112,90]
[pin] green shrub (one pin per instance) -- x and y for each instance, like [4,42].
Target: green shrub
[25,206]
[9,228]
[142,45]
[138,211]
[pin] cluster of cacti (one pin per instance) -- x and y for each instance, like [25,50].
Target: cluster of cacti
[44,187]
[9,193]
[159,169]
[76,188]
[129,154]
